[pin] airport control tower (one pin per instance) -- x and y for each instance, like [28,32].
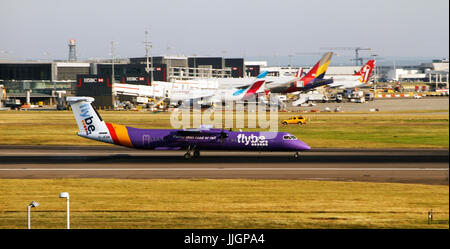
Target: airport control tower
[72,50]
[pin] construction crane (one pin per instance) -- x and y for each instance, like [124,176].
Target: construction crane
[358,60]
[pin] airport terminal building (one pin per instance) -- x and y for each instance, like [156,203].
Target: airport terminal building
[45,82]
[39,81]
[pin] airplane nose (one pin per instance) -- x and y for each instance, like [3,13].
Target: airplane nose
[302,146]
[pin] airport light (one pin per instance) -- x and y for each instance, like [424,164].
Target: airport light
[66,195]
[430,216]
[31,205]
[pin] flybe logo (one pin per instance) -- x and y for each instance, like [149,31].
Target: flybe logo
[252,140]
[86,119]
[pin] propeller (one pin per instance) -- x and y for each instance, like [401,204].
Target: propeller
[222,136]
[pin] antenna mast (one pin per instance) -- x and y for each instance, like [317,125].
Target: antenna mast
[112,61]
[148,46]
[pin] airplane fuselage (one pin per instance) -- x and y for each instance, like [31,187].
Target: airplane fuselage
[344,82]
[211,139]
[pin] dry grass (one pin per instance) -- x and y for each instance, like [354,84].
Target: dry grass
[200,203]
[322,130]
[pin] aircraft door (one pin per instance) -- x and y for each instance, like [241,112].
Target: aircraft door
[146,140]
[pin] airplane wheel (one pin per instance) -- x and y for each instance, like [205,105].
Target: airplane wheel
[187,156]
[296,155]
[284,123]
[196,153]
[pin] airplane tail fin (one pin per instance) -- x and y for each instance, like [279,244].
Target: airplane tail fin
[262,75]
[318,71]
[256,87]
[366,71]
[89,121]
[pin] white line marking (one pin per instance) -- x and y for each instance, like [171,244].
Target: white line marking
[226,169]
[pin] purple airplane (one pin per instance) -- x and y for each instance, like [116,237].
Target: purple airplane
[93,127]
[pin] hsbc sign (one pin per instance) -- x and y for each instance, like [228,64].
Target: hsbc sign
[130,79]
[93,80]
[135,79]
[93,85]
[90,80]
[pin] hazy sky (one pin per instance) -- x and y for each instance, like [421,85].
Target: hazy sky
[32,29]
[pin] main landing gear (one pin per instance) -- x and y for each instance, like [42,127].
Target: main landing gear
[187,156]
[192,152]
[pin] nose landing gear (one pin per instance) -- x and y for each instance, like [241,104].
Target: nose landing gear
[296,155]
[192,152]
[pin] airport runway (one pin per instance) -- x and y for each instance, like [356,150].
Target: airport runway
[374,165]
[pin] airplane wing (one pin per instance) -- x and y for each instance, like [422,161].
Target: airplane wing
[268,81]
[317,83]
[191,94]
[199,134]
[347,84]
[195,131]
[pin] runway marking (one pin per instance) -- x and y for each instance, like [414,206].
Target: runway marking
[226,169]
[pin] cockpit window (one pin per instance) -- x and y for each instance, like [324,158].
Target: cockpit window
[289,137]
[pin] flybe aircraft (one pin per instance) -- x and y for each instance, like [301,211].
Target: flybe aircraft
[92,126]
[356,80]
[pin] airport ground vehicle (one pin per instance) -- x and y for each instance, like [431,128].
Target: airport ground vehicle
[311,96]
[335,98]
[294,120]
[370,96]
[14,104]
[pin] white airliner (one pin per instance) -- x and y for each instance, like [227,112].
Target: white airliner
[255,89]
[356,80]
